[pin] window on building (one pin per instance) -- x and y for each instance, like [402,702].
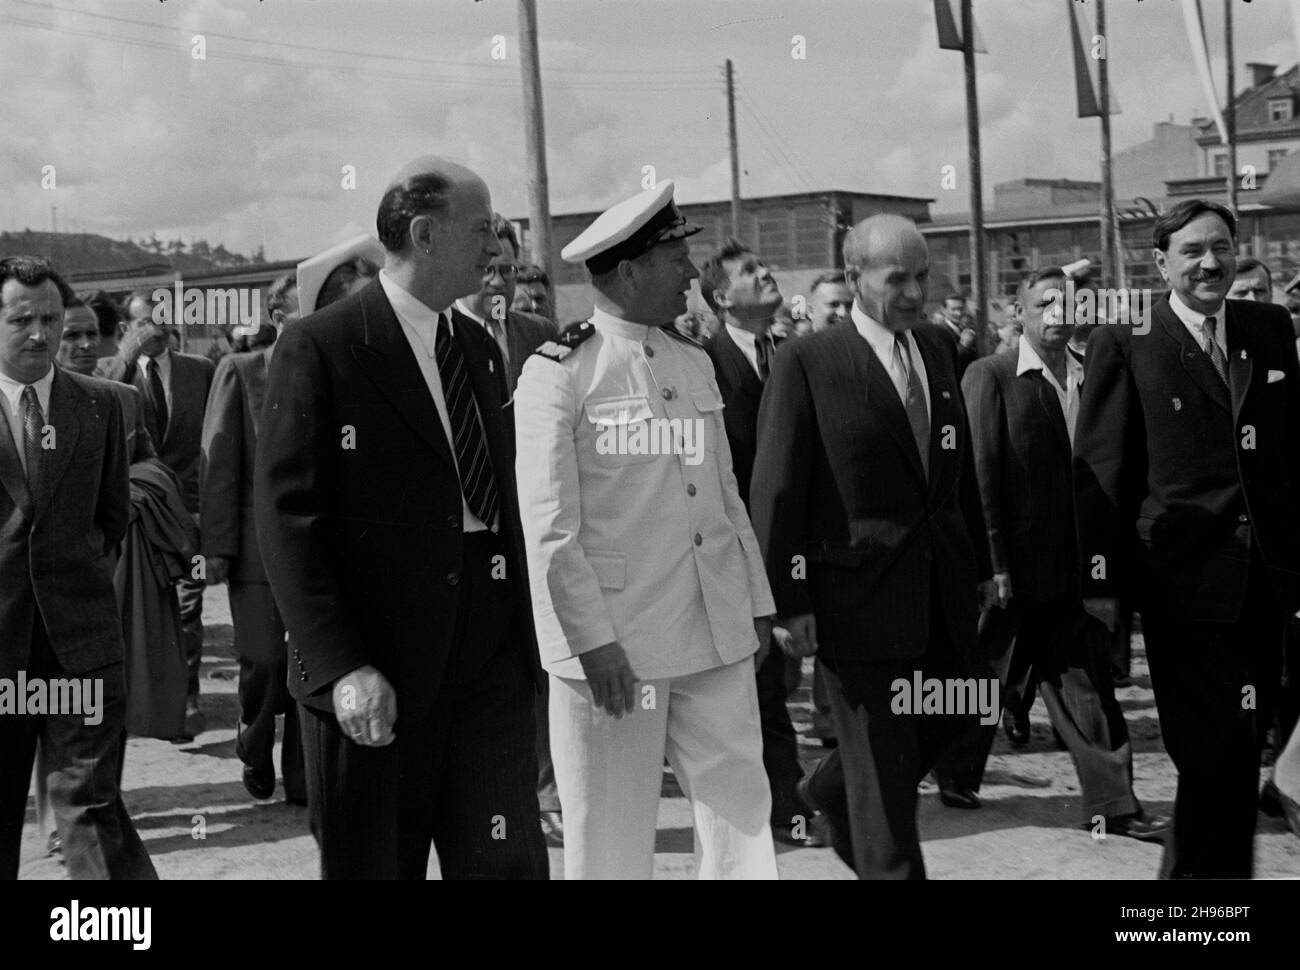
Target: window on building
[1275,155]
[1280,109]
[1221,165]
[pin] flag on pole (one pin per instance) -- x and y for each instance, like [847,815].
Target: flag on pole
[950,27]
[1087,71]
[1195,24]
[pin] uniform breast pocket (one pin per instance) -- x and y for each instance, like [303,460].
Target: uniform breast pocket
[623,430]
[709,405]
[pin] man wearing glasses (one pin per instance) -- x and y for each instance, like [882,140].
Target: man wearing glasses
[517,333]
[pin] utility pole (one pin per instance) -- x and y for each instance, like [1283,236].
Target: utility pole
[539,206]
[978,271]
[1109,251]
[735,151]
[1230,109]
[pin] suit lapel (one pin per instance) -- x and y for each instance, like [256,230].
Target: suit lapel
[1241,362]
[943,410]
[1191,356]
[11,466]
[1051,405]
[386,359]
[64,401]
[743,377]
[255,378]
[882,398]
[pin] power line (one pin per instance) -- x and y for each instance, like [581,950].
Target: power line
[695,76]
[806,175]
[788,162]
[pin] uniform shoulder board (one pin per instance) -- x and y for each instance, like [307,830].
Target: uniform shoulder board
[573,335]
[678,335]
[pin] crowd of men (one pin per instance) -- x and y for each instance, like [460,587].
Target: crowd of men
[493,572]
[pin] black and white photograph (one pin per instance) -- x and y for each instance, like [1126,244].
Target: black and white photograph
[679,439]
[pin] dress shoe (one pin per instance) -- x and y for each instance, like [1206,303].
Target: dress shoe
[553,829]
[830,831]
[55,844]
[260,782]
[960,798]
[1270,800]
[195,722]
[1145,828]
[1017,728]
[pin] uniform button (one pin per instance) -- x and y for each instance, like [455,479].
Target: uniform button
[690,489]
[453,522]
[668,393]
[649,351]
[698,540]
[453,579]
[1243,518]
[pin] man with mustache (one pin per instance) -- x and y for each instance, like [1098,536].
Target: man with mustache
[1187,485]
[868,512]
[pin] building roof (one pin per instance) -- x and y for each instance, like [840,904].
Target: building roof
[1252,117]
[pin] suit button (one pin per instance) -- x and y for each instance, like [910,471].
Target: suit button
[453,522]
[649,351]
[668,393]
[698,540]
[1243,518]
[453,579]
[690,489]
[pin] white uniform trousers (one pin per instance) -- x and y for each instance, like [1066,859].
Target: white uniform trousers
[609,771]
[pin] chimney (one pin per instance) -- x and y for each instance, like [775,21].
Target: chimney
[1261,73]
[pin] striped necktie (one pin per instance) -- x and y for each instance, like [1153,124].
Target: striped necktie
[913,400]
[1214,351]
[477,482]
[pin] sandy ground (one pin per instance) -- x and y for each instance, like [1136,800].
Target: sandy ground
[1026,830]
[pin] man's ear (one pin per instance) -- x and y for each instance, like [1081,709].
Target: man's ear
[423,233]
[1162,263]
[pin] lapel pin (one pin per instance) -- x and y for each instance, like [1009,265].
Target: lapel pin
[1178,404]
[1243,353]
[947,396]
[491,368]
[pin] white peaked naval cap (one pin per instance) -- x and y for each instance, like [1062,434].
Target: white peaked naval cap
[313,271]
[630,229]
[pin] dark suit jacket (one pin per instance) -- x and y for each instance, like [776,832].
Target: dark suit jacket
[838,486]
[181,448]
[55,547]
[525,332]
[741,392]
[965,355]
[226,516]
[363,546]
[1177,477]
[139,444]
[1022,458]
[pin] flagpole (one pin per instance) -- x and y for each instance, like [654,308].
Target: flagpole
[1109,266]
[1230,115]
[978,271]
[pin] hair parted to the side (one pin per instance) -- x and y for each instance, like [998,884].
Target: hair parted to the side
[714,274]
[1250,264]
[33,271]
[505,230]
[834,278]
[425,194]
[1183,213]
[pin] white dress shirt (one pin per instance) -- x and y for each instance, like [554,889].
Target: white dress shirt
[164,364]
[499,334]
[1195,323]
[12,392]
[420,326]
[882,342]
[1068,395]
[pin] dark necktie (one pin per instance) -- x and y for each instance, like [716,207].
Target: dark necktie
[477,482]
[914,401]
[1214,351]
[33,422]
[159,397]
[763,355]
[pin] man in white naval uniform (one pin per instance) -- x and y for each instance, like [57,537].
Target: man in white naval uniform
[648,590]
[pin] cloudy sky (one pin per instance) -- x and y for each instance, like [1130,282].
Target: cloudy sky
[247,146]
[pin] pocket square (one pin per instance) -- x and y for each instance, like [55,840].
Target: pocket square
[1274,376]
